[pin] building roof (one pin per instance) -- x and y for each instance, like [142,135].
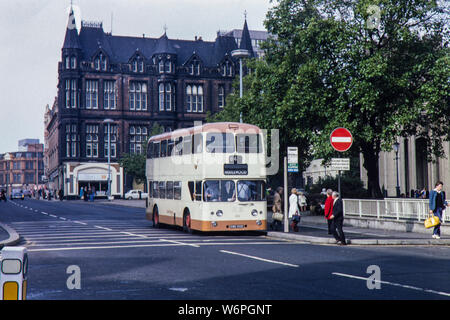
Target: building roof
[121,49]
[246,41]
[71,40]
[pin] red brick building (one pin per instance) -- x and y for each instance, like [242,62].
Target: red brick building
[23,169]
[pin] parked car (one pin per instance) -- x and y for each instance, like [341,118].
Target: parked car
[134,194]
[17,195]
[27,193]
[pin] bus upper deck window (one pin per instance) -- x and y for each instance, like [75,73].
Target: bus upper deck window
[163,148]
[187,145]
[150,150]
[178,146]
[156,150]
[219,142]
[248,143]
[197,143]
[170,145]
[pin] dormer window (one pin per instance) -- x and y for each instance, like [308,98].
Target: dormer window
[161,66]
[101,63]
[67,62]
[227,69]
[194,67]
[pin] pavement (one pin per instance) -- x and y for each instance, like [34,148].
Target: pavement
[8,236]
[314,230]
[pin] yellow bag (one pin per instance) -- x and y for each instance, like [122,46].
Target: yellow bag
[431,222]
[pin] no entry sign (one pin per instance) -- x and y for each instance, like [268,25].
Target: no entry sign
[341,139]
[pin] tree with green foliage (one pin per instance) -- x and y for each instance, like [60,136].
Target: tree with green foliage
[377,67]
[134,164]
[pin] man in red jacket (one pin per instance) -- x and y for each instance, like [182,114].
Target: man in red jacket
[329,209]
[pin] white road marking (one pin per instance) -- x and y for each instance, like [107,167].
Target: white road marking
[52,215]
[103,228]
[79,222]
[392,284]
[260,259]
[44,213]
[181,243]
[62,218]
[106,247]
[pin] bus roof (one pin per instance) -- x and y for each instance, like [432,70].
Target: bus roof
[234,127]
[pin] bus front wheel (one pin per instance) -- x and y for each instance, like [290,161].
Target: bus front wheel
[187,222]
[155,217]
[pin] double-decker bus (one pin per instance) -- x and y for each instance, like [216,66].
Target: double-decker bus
[209,177]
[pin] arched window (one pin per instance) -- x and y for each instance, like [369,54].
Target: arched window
[138,96]
[161,97]
[200,99]
[168,97]
[221,97]
[194,98]
[189,98]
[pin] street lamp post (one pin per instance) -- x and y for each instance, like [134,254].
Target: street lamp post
[240,54]
[396,149]
[109,121]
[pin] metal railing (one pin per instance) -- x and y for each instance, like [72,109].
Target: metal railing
[396,209]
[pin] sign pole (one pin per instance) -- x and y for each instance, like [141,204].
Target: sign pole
[285,194]
[339,183]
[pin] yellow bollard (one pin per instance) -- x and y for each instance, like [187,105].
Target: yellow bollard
[13,273]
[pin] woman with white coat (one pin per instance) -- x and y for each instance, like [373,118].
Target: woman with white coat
[294,211]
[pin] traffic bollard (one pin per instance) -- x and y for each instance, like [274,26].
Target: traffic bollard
[13,273]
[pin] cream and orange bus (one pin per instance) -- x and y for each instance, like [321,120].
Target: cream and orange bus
[208,177]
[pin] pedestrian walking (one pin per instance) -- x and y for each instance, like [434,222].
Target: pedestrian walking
[328,209]
[294,210]
[437,206]
[60,194]
[338,219]
[85,194]
[277,213]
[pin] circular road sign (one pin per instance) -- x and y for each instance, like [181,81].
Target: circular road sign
[341,139]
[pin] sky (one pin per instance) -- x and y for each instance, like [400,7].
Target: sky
[32,34]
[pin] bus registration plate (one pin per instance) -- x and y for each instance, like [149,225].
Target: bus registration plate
[237,226]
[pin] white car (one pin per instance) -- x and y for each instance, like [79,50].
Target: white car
[134,194]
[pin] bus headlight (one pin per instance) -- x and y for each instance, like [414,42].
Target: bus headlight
[254,212]
[219,213]
[259,222]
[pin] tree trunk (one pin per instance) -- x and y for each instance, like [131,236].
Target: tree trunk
[373,173]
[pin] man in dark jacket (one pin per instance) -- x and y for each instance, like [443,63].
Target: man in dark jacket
[338,219]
